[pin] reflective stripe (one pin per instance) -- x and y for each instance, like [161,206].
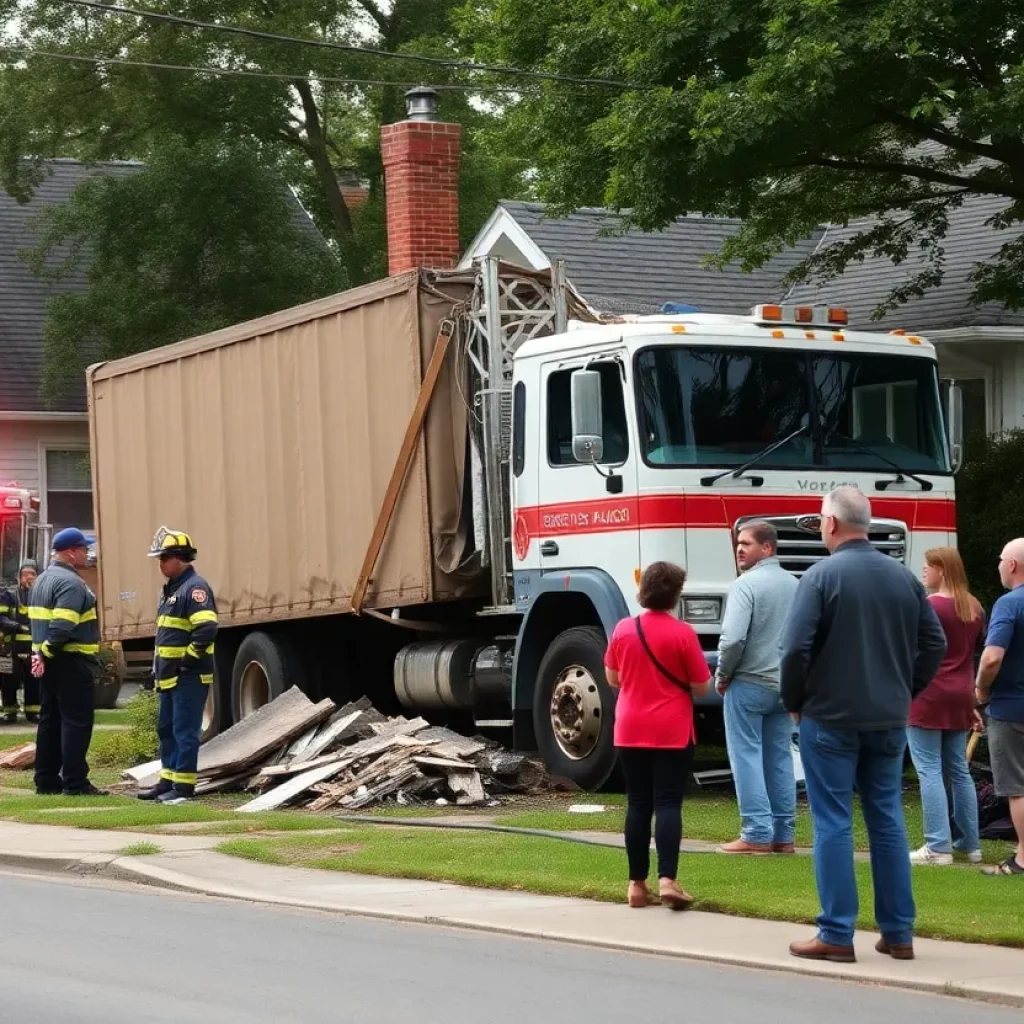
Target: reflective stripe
[184,778]
[81,648]
[167,684]
[89,616]
[43,649]
[204,616]
[25,638]
[166,773]
[68,615]
[39,613]
[206,680]
[32,709]
[169,622]
[5,710]
[5,607]
[170,652]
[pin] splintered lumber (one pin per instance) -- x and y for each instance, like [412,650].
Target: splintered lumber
[385,763]
[23,756]
[442,762]
[279,771]
[402,775]
[251,740]
[290,789]
[298,747]
[143,771]
[330,733]
[465,746]
[467,787]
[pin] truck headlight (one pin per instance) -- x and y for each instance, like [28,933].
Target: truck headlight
[702,609]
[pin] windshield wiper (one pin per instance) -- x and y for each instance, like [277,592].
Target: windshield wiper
[755,481]
[901,474]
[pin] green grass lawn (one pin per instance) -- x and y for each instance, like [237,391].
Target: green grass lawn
[953,903]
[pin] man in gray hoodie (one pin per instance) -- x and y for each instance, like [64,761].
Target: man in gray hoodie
[758,730]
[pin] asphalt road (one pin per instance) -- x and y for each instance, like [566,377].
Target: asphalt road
[76,952]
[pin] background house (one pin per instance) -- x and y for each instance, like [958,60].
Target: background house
[982,348]
[43,445]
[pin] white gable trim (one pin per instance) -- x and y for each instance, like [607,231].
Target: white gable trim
[501,224]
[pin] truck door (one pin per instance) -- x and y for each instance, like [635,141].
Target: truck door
[586,519]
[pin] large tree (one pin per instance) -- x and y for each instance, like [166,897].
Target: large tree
[308,120]
[786,113]
[196,240]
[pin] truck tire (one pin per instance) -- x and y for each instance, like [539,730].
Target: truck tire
[264,668]
[574,708]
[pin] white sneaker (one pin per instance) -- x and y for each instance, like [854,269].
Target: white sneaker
[974,856]
[926,855]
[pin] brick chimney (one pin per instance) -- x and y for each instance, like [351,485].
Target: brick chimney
[421,179]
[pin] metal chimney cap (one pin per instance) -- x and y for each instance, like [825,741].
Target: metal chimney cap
[421,103]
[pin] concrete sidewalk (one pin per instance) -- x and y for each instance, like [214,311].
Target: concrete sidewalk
[981,972]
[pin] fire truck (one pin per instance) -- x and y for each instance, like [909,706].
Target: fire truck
[472,559]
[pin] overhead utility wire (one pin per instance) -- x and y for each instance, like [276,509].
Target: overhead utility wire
[206,69]
[366,51]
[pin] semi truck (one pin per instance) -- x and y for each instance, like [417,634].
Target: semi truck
[440,490]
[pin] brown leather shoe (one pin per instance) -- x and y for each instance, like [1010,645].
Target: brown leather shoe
[898,951]
[637,894]
[783,847]
[815,949]
[742,846]
[672,895]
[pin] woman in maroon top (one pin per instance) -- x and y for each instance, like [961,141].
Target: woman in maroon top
[944,713]
[656,663]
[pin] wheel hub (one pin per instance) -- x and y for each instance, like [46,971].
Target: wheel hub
[576,712]
[254,689]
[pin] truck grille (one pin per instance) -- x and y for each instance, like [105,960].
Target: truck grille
[800,544]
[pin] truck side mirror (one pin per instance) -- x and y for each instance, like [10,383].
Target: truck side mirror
[955,424]
[587,440]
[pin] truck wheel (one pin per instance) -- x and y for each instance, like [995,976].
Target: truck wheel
[265,667]
[573,708]
[217,711]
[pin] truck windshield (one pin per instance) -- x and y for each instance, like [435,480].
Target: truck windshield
[10,549]
[719,406]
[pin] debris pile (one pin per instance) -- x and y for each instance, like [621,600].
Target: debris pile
[319,756]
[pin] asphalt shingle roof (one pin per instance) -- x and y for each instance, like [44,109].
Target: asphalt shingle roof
[638,271]
[23,297]
[969,241]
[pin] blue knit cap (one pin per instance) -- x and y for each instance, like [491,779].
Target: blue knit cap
[70,538]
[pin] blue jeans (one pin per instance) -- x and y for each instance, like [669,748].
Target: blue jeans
[759,732]
[835,762]
[940,754]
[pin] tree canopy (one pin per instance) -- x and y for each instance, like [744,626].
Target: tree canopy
[788,114]
[99,85]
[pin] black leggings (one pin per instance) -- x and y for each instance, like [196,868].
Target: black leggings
[655,780]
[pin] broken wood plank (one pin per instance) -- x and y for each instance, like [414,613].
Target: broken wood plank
[463,744]
[251,740]
[402,777]
[297,748]
[329,734]
[468,788]
[143,771]
[442,762]
[278,771]
[22,756]
[371,772]
[289,790]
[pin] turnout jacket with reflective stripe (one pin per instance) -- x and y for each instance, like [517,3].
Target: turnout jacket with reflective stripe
[14,620]
[62,611]
[186,625]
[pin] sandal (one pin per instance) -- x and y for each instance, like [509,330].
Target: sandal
[1008,867]
[673,896]
[639,895]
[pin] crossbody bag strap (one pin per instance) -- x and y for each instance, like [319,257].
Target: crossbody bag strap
[657,664]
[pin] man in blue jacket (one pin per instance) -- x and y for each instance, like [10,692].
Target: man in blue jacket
[861,642]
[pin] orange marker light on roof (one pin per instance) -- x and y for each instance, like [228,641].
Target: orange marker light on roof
[901,333]
[839,337]
[771,312]
[678,329]
[914,340]
[778,334]
[838,315]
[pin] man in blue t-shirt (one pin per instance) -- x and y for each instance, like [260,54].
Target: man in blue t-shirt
[1000,683]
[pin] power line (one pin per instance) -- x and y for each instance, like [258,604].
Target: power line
[206,69]
[366,51]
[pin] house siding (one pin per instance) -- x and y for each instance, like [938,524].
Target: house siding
[23,447]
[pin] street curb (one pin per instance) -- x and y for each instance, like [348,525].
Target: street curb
[139,871]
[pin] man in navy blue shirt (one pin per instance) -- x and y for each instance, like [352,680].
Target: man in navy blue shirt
[1000,682]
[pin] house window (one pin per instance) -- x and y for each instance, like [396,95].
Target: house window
[68,488]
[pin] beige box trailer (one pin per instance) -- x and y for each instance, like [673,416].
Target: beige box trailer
[272,442]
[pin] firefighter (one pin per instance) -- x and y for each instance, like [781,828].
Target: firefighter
[14,622]
[65,661]
[183,664]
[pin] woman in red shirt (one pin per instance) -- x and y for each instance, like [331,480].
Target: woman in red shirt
[943,714]
[656,662]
